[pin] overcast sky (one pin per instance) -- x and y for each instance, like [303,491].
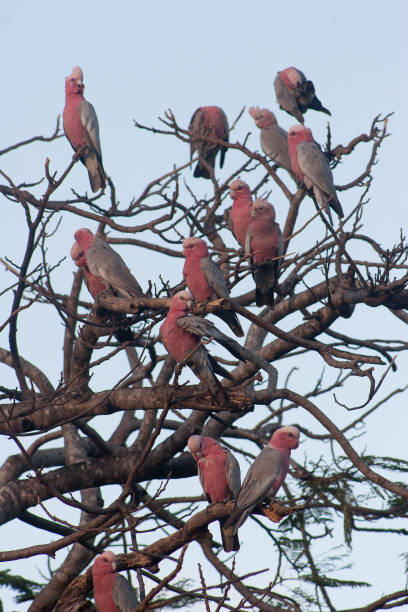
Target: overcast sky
[142,58]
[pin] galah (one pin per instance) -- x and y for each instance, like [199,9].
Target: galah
[112,592]
[107,265]
[94,284]
[181,335]
[295,94]
[205,280]
[82,129]
[220,477]
[240,214]
[210,121]
[264,477]
[264,243]
[274,139]
[311,167]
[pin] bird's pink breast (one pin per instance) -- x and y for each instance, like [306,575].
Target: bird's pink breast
[103,589]
[264,242]
[73,127]
[214,477]
[177,341]
[195,279]
[241,219]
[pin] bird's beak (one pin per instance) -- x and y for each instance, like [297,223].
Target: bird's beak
[114,566]
[79,81]
[232,194]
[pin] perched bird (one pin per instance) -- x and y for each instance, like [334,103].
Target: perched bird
[82,129]
[205,280]
[240,214]
[264,477]
[94,284]
[107,265]
[220,477]
[181,335]
[208,121]
[295,94]
[112,592]
[263,244]
[311,167]
[274,139]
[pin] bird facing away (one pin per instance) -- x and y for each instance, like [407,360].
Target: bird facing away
[265,476]
[107,265]
[264,243]
[295,94]
[240,214]
[274,139]
[112,592]
[311,167]
[220,477]
[212,122]
[82,129]
[205,280]
[181,335]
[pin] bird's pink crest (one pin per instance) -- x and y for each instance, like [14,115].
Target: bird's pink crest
[195,246]
[194,444]
[264,118]
[84,237]
[104,563]
[239,188]
[182,299]
[300,133]
[285,437]
[291,77]
[263,208]
[77,74]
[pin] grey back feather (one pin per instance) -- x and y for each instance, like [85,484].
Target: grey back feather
[214,277]
[104,262]
[89,120]
[123,594]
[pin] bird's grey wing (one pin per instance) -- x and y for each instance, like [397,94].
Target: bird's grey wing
[313,162]
[104,262]
[225,137]
[233,472]
[259,479]
[203,328]
[200,475]
[123,595]
[286,99]
[214,277]
[90,122]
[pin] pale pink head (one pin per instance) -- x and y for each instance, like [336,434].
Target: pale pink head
[201,445]
[84,237]
[263,117]
[262,209]
[195,247]
[285,437]
[78,255]
[74,82]
[104,564]
[239,189]
[291,77]
[300,133]
[182,300]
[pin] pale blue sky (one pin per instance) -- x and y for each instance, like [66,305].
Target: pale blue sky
[140,59]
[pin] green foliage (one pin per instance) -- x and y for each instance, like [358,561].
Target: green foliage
[27,589]
[325,581]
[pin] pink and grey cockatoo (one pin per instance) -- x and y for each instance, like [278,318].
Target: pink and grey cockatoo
[107,265]
[112,592]
[181,335]
[295,94]
[94,284]
[312,168]
[208,121]
[82,129]
[220,477]
[240,214]
[264,477]
[274,139]
[263,244]
[205,280]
